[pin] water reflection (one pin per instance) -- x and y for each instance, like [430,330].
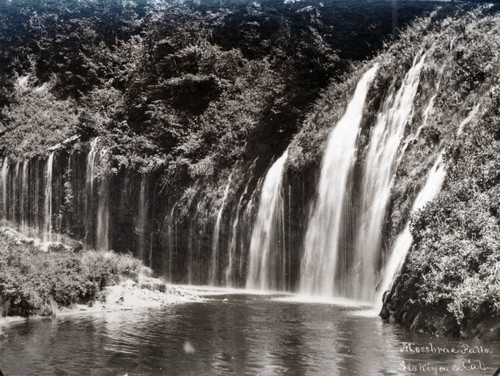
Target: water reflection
[245,335]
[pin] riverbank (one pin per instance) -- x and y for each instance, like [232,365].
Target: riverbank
[127,295]
[59,279]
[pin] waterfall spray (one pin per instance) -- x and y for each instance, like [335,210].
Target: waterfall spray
[172,242]
[24,198]
[467,120]
[266,243]
[89,191]
[142,218]
[193,265]
[378,178]
[214,271]
[103,210]
[47,228]
[5,177]
[230,272]
[246,224]
[36,208]
[15,180]
[403,242]
[321,244]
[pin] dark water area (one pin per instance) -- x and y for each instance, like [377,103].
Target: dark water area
[237,335]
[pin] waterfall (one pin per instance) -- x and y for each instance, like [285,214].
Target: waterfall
[266,245]
[193,263]
[233,244]
[103,210]
[404,240]
[5,177]
[214,271]
[246,223]
[467,119]
[101,228]
[378,178]
[426,114]
[91,164]
[172,243]
[47,228]
[321,243]
[24,198]
[142,218]
[89,192]
[34,191]
[36,206]
[15,193]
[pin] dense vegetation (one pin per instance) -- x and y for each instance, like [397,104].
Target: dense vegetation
[450,283]
[182,87]
[34,282]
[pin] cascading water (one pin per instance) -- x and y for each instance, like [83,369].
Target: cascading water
[194,272]
[426,114]
[142,218]
[36,199]
[5,177]
[262,258]
[24,198]
[100,225]
[15,193]
[172,243]
[103,210]
[89,191]
[403,242]
[214,270]
[230,269]
[47,228]
[322,237]
[467,120]
[378,178]
[266,247]
[246,223]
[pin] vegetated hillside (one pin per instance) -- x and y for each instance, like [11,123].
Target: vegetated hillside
[450,282]
[179,86]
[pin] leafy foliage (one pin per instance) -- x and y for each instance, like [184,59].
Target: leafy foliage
[452,267]
[34,282]
[457,237]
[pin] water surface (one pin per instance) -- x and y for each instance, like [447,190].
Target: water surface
[230,334]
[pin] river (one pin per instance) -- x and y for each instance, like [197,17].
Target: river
[236,333]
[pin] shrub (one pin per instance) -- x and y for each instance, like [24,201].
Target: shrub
[32,282]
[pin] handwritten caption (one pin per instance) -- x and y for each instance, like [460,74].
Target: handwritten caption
[468,364]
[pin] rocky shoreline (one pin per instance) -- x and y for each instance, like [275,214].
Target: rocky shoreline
[148,292]
[403,306]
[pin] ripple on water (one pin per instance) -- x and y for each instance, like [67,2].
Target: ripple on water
[247,334]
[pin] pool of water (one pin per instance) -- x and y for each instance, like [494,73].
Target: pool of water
[240,334]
